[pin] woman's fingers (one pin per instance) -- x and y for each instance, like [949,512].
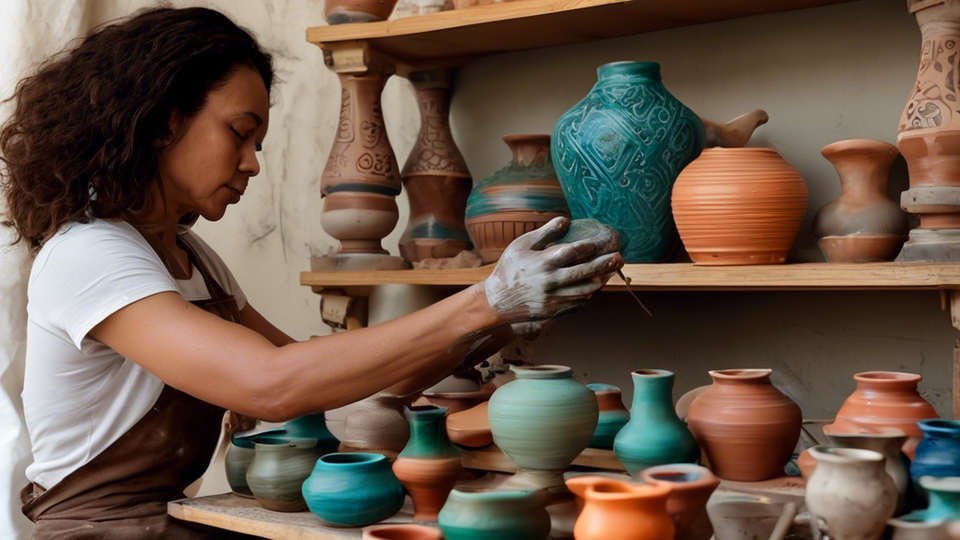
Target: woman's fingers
[606,241]
[542,237]
[598,267]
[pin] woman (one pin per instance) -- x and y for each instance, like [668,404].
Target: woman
[138,336]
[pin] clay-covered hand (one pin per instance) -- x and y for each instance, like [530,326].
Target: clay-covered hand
[537,279]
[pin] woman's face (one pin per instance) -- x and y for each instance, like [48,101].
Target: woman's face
[208,165]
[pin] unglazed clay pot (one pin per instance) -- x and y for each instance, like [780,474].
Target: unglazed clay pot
[435,176]
[470,429]
[353,489]
[692,486]
[279,467]
[613,415]
[542,421]
[495,515]
[742,516]
[357,11]
[938,454]
[885,398]
[615,510]
[863,225]
[517,199]
[739,206]
[746,428]
[429,465]
[655,435]
[402,532]
[851,492]
[377,425]
[889,443]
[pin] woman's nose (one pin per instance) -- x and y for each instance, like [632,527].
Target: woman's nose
[249,162]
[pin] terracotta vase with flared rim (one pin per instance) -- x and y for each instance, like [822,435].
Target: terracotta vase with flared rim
[470,429]
[938,453]
[746,428]
[236,462]
[615,510]
[851,491]
[279,467]
[519,198]
[889,443]
[377,425]
[495,515]
[885,399]
[739,206]
[692,486]
[353,489]
[542,420]
[402,532]
[357,11]
[655,435]
[613,415]
[429,466]
[864,224]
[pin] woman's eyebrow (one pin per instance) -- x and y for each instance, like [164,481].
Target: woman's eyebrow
[255,116]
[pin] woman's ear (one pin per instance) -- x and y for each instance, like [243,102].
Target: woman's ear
[174,126]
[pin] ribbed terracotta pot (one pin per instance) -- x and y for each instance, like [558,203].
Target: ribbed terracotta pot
[885,399]
[746,428]
[739,206]
[402,532]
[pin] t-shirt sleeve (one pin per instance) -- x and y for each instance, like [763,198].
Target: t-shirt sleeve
[85,277]
[221,272]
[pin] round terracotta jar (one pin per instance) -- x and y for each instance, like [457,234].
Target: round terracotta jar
[885,399]
[739,206]
[746,428]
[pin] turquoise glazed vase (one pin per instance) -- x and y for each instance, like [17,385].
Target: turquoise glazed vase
[938,453]
[495,515]
[655,435]
[542,420]
[429,465]
[618,152]
[279,467]
[944,496]
[313,426]
[613,415]
[353,489]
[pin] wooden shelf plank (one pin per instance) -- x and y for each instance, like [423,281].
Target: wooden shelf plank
[686,276]
[530,24]
[493,459]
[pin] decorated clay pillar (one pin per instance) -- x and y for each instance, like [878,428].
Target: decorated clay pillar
[361,180]
[929,135]
[435,177]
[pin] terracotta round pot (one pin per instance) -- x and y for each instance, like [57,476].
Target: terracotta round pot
[615,510]
[402,532]
[885,399]
[739,206]
[429,465]
[355,11]
[746,428]
[692,486]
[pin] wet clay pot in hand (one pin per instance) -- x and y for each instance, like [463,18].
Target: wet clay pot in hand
[885,398]
[613,415]
[429,465]
[746,428]
[692,486]
[615,510]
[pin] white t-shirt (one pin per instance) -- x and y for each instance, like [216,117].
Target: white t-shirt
[79,396]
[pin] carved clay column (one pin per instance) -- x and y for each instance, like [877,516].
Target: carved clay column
[435,176]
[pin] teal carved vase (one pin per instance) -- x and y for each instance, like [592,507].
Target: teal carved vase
[495,515]
[613,415]
[655,435]
[353,489]
[618,152]
[429,465]
[542,421]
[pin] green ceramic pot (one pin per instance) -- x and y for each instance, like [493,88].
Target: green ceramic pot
[613,415]
[542,421]
[313,426]
[655,435]
[280,465]
[495,515]
[236,462]
[353,489]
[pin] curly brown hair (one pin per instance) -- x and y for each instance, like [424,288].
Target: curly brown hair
[87,127]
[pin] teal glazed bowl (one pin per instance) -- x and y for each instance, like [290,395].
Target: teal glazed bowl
[495,515]
[353,489]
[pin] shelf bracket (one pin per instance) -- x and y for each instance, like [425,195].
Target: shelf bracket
[954,301]
[342,312]
[357,57]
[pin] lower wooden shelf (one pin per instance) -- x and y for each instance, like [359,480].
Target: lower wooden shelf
[493,459]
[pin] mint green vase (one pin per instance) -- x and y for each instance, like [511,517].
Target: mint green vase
[655,435]
[495,515]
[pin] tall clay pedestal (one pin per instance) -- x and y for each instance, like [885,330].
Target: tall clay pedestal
[929,136]
[361,181]
[435,176]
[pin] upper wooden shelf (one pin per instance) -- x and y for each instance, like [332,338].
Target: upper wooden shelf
[530,24]
[686,276]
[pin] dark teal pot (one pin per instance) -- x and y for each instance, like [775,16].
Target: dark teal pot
[353,489]
[618,152]
[313,426]
[613,415]
[655,435]
[495,515]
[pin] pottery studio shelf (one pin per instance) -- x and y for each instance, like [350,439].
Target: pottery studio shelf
[451,38]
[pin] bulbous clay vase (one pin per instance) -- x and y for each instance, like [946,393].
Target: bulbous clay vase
[889,443]
[746,428]
[353,489]
[429,465]
[236,462]
[495,515]
[938,454]
[435,176]
[739,206]
[542,421]
[863,225]
[279,467]
[357,11]
[615,510]
[613,415]
[655,435]
[517,199]
[885,398]
[692,486]
[402,532]
[377,425]
[851,492]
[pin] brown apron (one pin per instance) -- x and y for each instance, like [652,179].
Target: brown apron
[123,492]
